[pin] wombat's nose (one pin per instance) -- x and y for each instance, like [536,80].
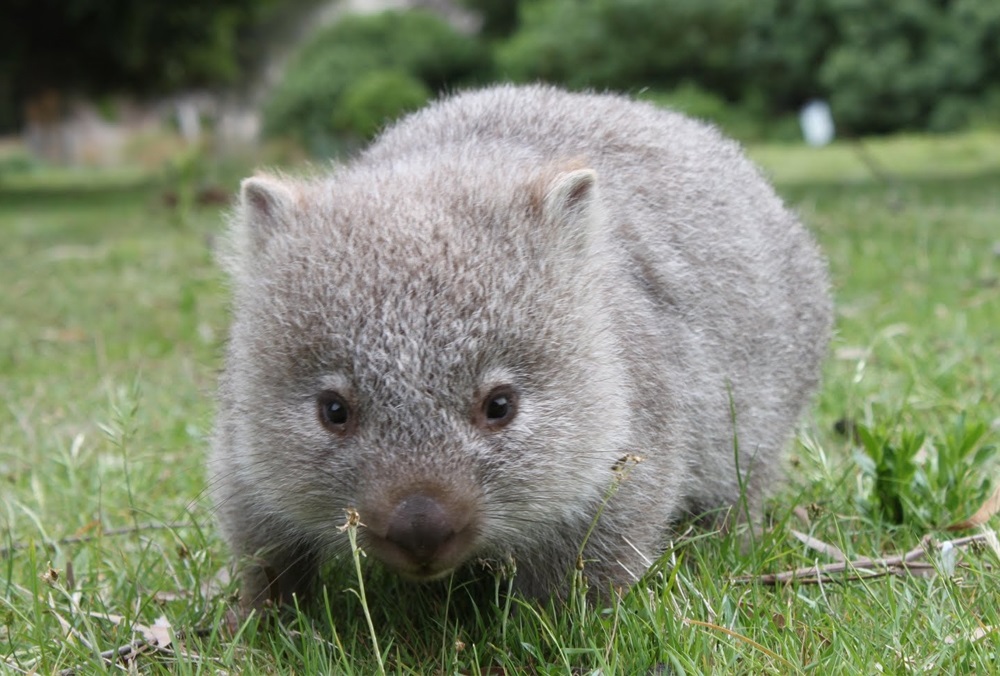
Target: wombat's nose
[419,525]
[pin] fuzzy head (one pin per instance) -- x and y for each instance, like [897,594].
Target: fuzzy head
[431,344]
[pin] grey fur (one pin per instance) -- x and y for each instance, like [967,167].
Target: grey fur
[624,269]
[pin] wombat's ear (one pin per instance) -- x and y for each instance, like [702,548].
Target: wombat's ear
[571,205]
[570,195]
[266,204]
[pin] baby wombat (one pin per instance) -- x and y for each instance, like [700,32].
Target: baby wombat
[466,332]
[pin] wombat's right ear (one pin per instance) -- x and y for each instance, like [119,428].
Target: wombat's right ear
[571,194]
[265,207]
[266,204]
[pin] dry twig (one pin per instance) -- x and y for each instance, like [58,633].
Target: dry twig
[111,532]
[123,653]
[863,568]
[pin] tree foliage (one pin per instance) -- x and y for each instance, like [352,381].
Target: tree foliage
[331,86]
[499,17]
[884,65]
[628,44]
[378,97]
[97,47]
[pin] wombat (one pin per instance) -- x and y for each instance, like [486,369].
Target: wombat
[466,332]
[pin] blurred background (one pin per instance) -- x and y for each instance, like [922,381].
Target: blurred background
[171,88]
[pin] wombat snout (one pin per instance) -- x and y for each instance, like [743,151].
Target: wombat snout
[423,535]
[420,525]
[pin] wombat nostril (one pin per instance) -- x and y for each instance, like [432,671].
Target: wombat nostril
[419,525]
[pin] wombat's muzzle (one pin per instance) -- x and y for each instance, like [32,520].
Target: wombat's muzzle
[423,536]
[420,526]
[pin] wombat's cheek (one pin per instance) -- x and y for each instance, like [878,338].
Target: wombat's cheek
[421,535]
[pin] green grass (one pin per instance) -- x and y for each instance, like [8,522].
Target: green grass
[112,317]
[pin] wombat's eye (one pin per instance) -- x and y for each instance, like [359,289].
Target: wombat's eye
[334,412]
[498,407]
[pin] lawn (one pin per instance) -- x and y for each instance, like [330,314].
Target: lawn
[112,319]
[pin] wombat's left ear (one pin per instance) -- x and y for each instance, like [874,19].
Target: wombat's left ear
[266,204]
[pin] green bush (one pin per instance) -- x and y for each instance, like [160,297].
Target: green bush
[984,111]
[628,44]
[309,103]
[691,100]
[16,164]
[378,97]
[499,17]
[922,480]
[883,65]
[743,121]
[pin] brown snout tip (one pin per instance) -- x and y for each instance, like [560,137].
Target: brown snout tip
[420,525]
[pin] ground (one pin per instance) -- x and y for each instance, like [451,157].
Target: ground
[112,316]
